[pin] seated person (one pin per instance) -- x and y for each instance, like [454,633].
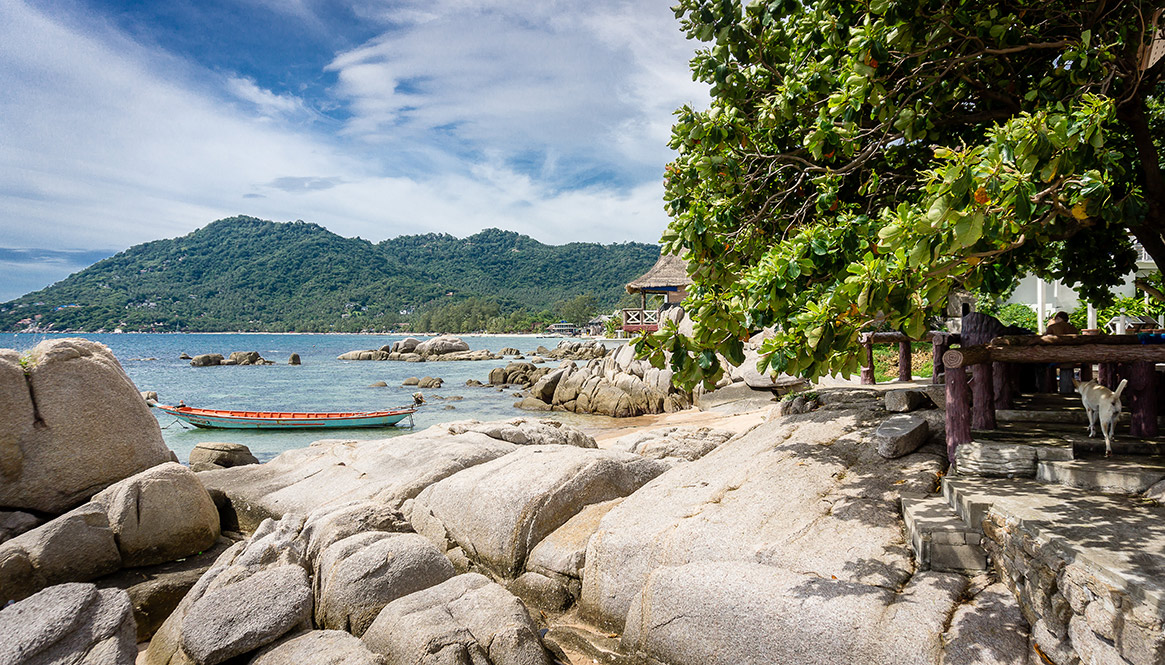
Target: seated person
[1059,325]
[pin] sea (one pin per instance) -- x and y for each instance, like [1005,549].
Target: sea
[320,383]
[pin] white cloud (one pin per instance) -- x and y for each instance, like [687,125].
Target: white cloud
[546,118]
[267,103]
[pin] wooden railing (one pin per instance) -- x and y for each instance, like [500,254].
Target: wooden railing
[640,318]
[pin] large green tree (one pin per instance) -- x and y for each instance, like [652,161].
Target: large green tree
[860,159]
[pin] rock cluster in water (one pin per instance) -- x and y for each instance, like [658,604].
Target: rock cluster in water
[235,358]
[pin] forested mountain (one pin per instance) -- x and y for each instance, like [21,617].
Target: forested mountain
[244,273]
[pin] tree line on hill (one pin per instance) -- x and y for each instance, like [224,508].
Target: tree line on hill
[248,274]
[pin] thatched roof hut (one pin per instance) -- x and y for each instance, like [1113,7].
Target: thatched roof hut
[670,273]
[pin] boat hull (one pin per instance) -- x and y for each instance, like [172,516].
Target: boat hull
[275,420]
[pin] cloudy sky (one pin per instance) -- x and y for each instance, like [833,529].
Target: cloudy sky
[123,122]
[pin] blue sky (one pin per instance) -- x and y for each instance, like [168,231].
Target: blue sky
[123,122]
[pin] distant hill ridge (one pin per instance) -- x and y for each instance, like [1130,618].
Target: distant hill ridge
[244,273]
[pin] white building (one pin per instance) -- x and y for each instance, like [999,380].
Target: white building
[1047,298]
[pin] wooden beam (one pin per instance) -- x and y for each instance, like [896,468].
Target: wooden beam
[1064,340]
[1095,353]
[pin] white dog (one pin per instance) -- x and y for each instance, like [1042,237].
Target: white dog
[1102,402]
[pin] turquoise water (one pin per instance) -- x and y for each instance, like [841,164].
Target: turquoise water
[321,383]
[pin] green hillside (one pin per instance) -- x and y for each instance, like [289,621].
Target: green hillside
[244,273]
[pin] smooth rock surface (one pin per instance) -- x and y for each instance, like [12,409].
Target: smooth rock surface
[564,552]
[739,613]
[318,647]
[161,514]
[357,576]
[467,620]
[686,443]
[499,510]
[68,623]
[246,615]
[526,432]
[335,472]
[76,547]
[88,428]
[988,630]
[900,435]
[734,505]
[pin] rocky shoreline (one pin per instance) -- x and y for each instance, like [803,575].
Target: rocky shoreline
[778,540]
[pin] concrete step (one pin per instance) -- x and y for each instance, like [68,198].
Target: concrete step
[941,541]
[1114,475]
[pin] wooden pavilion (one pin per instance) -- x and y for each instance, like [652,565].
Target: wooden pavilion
[669,279]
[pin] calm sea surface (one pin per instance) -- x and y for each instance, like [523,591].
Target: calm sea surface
[321,383]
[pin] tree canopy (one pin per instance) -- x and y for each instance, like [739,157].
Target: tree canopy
[859,160]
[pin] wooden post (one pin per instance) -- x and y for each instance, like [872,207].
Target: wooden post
[1106,376]
[983,397]
[1085,372]
[938,369]
[868,368]
[958,412]
[1142,396]
[905,371]
[1066,376]
[1001,374]
[1049,385]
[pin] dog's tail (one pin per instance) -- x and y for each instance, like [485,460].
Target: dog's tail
[1120,388]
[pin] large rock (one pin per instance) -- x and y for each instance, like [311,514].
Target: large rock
[406,345]
[68,623]
[999,460]
[988,630]
[804,493]
[335,472]
[562,555]
[14,523]
[211,455]
[900,434]
[76,547]
[498,511]
[228,612]
[246,358]
[441,345]
[87,429]
[335,523]
[357,576]
[467,620]
[155,591]
[241,617]
[159,515]
[687,443]
[318,647]
[206,360]
[526,432]
[740,613]
[904,400]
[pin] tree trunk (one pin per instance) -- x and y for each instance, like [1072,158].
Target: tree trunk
[958,412]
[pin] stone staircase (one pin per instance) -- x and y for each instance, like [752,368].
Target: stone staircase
[1052,448]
